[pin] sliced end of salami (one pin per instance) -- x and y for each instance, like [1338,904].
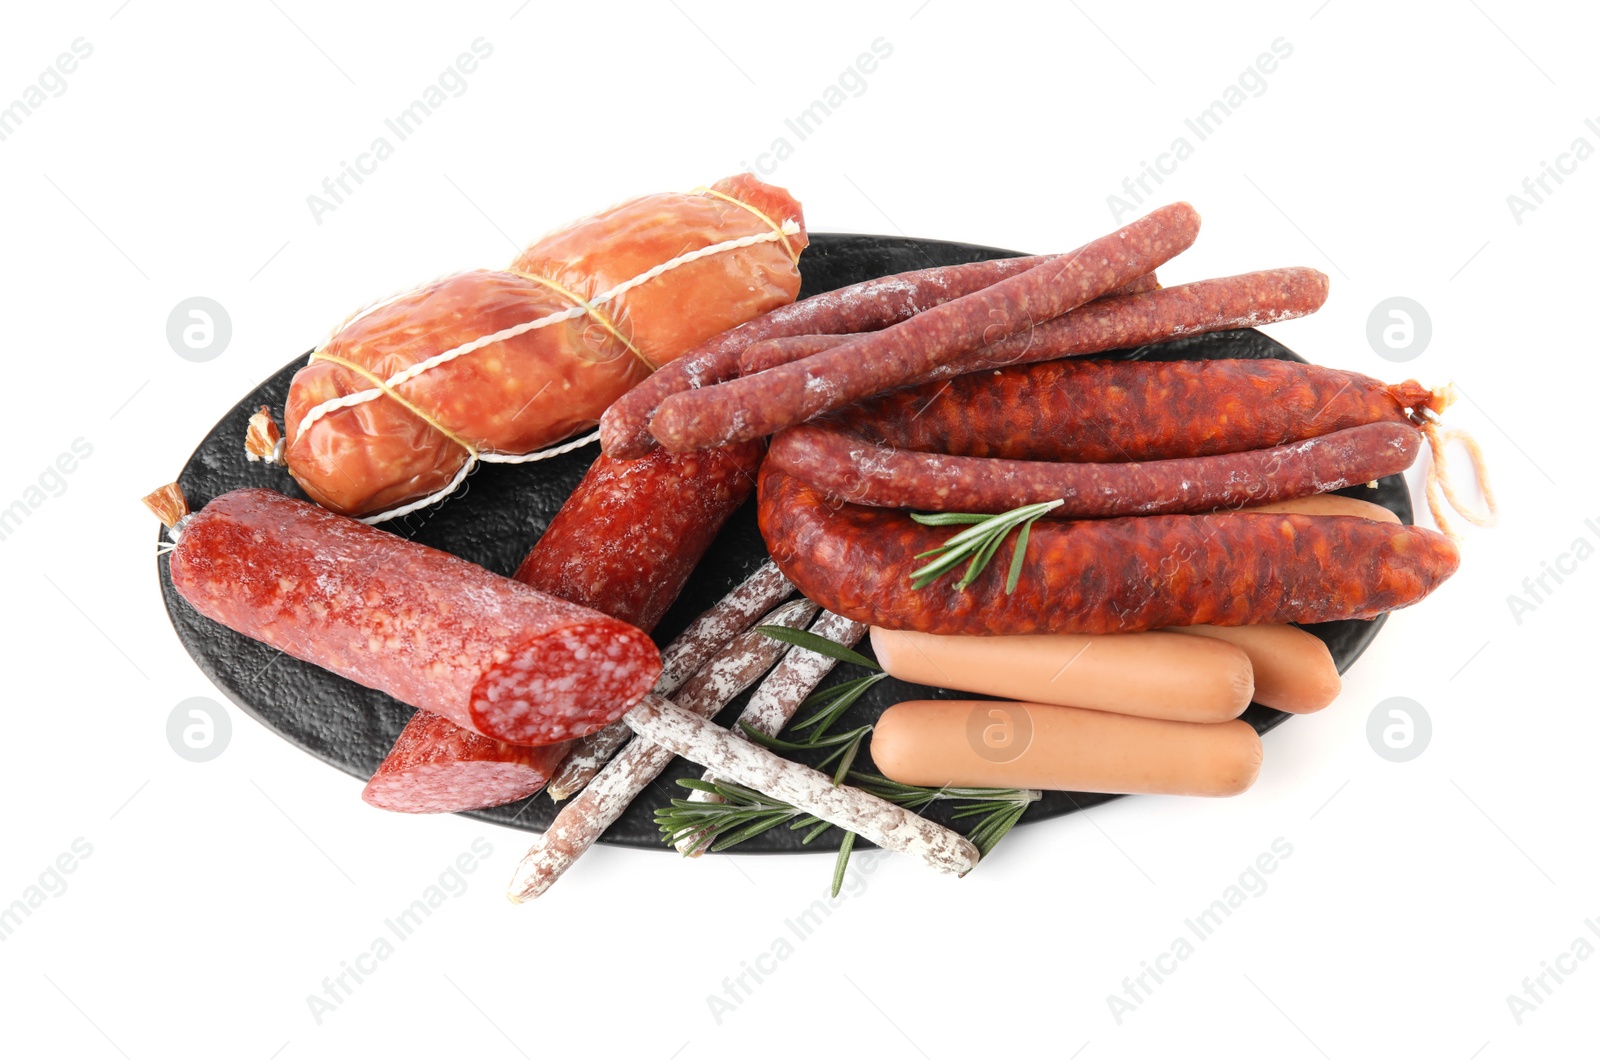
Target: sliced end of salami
[565,683]
[438,767]
[449,787]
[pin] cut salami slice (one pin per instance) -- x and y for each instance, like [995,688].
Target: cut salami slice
[428,628]
[436,766]
[624,543]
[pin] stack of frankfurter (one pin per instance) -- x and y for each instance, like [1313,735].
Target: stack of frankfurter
[1189,524]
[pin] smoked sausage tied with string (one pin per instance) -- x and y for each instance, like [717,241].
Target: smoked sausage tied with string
[491,365]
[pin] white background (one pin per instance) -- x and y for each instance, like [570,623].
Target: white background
[219,895]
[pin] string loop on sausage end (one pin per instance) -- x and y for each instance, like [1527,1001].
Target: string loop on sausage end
[263,441]
[474,457]
[1439,487]
[170,506]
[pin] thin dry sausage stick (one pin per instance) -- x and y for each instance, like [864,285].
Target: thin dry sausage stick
[1137,285]
[1110,323]
[742,409]
[1102,575]
[680,660]
[580,823]
[835,459]
[771,353]
[780,694]
[678,731]
[866,306]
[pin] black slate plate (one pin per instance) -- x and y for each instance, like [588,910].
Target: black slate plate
[505,507]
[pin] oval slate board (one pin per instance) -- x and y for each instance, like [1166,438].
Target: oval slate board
[504,509]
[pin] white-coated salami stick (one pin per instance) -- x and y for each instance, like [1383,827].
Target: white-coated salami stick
[624,778]
[682,732]
[780,694]
[680,660]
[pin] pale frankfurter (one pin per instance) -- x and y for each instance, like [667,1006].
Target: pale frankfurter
[1294,670]
[999,744]
[1153,675]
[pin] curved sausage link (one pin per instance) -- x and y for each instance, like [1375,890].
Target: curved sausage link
[838,461]
[1103,576]
[1106,411]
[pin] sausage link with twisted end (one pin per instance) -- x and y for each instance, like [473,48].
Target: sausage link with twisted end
[1102,575]
[832,458]
[1117,322]
[1109,411]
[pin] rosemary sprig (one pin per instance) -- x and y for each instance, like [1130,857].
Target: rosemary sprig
[744,813]
[978,543]
[833,701]
[804,638]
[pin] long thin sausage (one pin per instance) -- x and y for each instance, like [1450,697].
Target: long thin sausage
[1111,323]
[840,462]
[866,306]
[741,409]
[1103,576]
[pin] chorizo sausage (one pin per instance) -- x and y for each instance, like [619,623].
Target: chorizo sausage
[840,462]
[624,543]
[762,404]
[431,629]
[1105,575]
[1107,411]
[487,364]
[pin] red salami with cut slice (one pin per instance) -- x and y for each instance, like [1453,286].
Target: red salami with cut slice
[429,628]
[624,543]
